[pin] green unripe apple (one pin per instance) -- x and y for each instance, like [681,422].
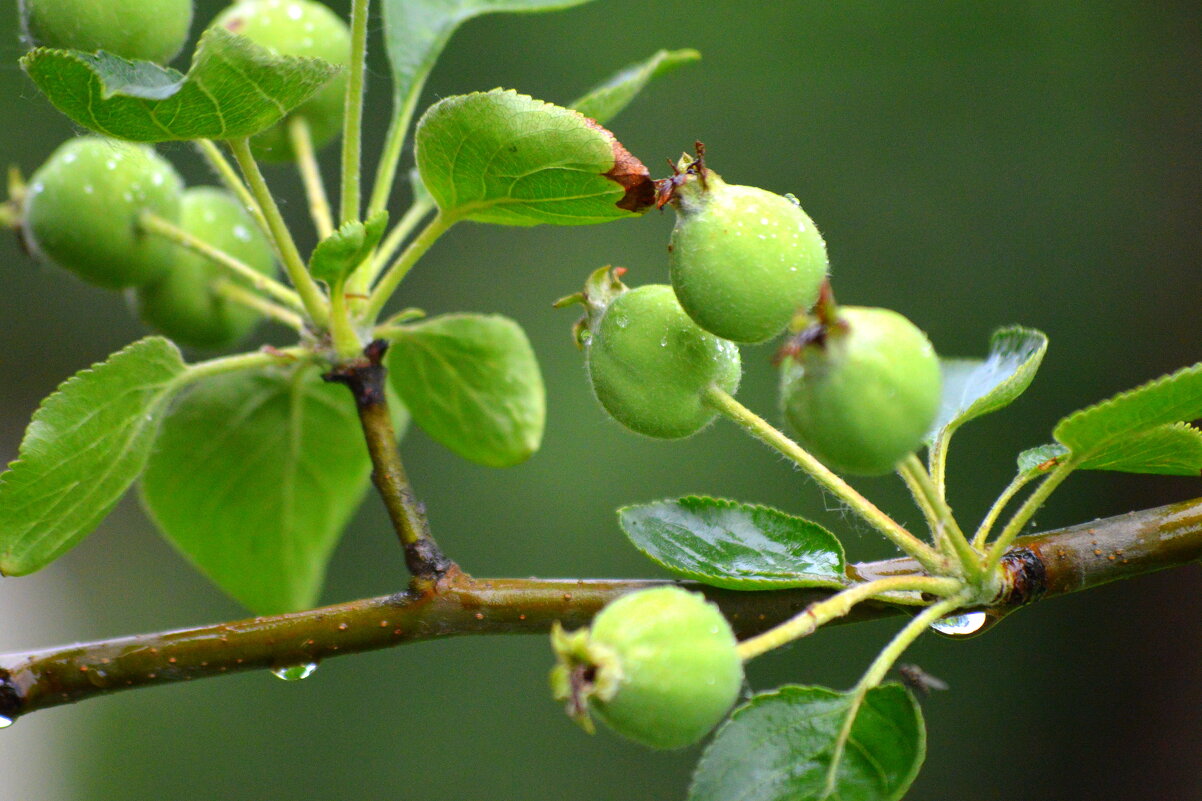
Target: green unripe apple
[146,30]
[658,666]
[743,260]
[862,393]
[649,364]
[184,303]
[84,206]
[296,28]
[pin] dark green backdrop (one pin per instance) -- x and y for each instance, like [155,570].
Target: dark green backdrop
[971,164]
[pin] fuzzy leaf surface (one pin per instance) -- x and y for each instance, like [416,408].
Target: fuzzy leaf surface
[606,100]
[255,476]
[779,747]
[84,447]
[975,387]
[735,545]
[1033,460]
[336,256]
[506,158]
[472,382]
[234,89]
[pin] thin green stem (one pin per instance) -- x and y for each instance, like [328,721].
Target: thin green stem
[346,342]
[229,176]
[154,224]
[310,172]
[924,505]
[839,605]
[352,121]
[946,527]
[241,361]
[400,268]
[982,536]
[244,297]
[937,460]
[1027,511]
[390,156]
[392,243]
[877,671]
[312,297]
[761,429]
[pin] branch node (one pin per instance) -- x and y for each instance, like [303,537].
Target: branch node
[11,702]
[1024,577]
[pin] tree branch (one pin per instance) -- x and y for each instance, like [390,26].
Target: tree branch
[1039,566]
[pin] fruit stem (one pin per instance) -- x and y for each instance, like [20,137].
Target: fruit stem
[310,172]
[982,536]
[233,182]
[352,120]
[944,527]
[839,605]
[409,257]
[877,670]
[1027,510]
[243,296]
[151,223]
[312,297]
[762,430]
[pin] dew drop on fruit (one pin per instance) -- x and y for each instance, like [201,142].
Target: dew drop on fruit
[792,198]
[295,672]
[960,625]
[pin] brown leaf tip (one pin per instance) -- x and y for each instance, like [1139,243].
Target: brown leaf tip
[629,173]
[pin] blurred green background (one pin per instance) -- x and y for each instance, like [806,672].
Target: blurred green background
[971,165]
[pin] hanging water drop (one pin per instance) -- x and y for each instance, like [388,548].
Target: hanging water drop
[295,672]
[792,198]
[960,625]
[5,722]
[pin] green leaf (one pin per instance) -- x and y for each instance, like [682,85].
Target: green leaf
[975,387]
[778,747]
[605,101]
[336,256]
[234,89]
[255,476]
[416,31]
[85,445]
[1139,421]
[1041,459]
[472,382]
[505,158]
[735,545]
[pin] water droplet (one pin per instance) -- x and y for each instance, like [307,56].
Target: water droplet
[960,625]
[295,672]
[5,722]
[792,198]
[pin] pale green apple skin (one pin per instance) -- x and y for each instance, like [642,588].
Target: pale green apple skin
[680,667]
[650,364]
[183,303]
[85,203]
[296,28]
[743,261]
[138,30]
[866,397]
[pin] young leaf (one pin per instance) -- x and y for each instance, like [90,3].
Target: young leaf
[735,545]
[505,158]
[779,746]
[255,475]
[234,89]
[975,387]
[336,256]
[472,382]
[1100,434]
[85,445]
[605,101]
[1040,459]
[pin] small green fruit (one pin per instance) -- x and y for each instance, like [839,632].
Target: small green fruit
[862,391]
[84,205]
[743,260]
[658,666]
[296,28]
[650,364]
[184,303]
[146,30]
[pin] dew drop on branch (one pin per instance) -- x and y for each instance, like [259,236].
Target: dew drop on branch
[295,672]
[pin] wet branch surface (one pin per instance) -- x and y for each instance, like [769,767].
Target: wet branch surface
[1039,566]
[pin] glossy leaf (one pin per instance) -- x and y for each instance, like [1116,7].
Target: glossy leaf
[779,747]
[85,445]
[255,476]
[234,89]
[472,382]
[336,256]
[605,101]
[1171,450]
[975,387]
[735,545]
[505,158]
